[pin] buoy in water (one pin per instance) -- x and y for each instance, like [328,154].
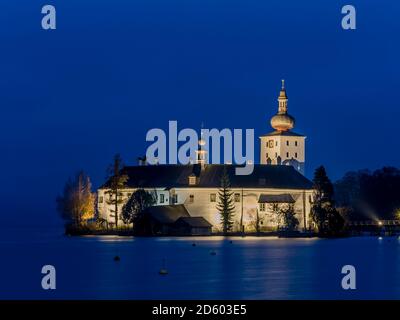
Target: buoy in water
[193,244]
[163,271]
[117,258]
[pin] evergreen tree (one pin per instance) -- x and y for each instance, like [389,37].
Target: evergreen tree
[134,208]
[225,205]
[117,182]
[77,203]
[323,211]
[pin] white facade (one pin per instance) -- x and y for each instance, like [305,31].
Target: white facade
[283,149]
[202,202]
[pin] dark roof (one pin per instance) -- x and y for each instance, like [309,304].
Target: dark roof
[277,198]
[282,133]
[176,176]
[167,214]
[195,222]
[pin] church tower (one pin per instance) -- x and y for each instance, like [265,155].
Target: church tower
[283,146]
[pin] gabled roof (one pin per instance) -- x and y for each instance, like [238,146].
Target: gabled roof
[194,222]
[282,133]
[176,176]
[167,214]
[277,198]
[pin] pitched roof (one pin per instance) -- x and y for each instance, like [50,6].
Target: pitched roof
[176,176]
[282,133]
[195,222]
[167,214]
[277,198]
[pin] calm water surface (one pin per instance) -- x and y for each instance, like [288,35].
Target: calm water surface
[247,268]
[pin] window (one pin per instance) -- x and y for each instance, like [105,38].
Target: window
[100,199]
[262,206]
[237,197]
[213,197]
[271,143]
[175,198]
[295,143]
[276,154]
[287,142]
[266,155]
[191,198]
[287,154]
[276,143]
[295,155]
[162,198]
[192,180]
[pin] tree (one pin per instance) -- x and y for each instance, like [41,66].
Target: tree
[134,208]
[288,217]
[117,181]
[255,220]
[77,203]
[285,216]
[225,205]
[323,212]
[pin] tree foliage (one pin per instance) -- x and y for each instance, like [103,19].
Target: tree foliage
[77,203]
[285,216]
[117,182]
[134,208]
[366,195]
[226,205]
[323,211]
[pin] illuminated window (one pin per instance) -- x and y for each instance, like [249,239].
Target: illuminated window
[262,206]
[192,180]
[213,197]
[162,198]
[237,197]
[191,198]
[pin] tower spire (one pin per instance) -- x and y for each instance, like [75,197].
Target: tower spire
[201,153]
[282,121]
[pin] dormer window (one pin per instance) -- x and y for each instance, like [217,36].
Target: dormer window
[192,180]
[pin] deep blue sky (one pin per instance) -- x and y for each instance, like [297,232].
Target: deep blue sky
[73,97]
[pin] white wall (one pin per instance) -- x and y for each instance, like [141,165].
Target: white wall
[203,207]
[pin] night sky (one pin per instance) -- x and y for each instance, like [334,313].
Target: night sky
[73,97]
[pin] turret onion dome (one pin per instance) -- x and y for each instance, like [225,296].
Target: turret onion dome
[282,121]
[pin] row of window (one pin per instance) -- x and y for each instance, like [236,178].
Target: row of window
[270,143]
[287,155]
[213,197]
[162,198]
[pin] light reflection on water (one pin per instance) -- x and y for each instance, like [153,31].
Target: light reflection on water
[243,268]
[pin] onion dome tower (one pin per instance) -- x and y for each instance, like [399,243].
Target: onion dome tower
[282,121]
[283,146]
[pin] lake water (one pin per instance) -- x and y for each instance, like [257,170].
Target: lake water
[247,268]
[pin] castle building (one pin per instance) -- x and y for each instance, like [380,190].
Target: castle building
[283,146]
[193,189]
